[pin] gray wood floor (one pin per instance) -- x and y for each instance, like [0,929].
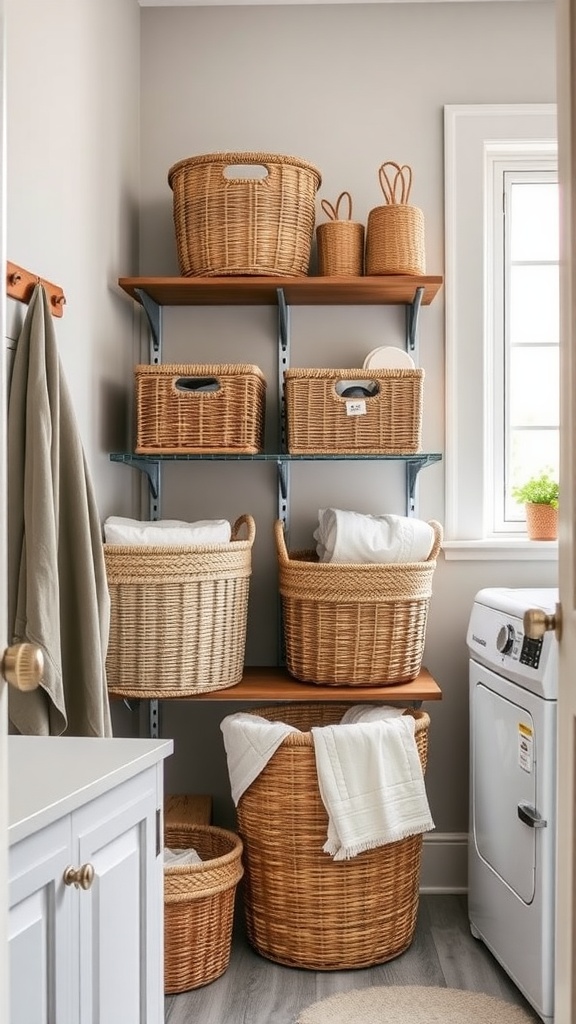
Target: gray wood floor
[254,990]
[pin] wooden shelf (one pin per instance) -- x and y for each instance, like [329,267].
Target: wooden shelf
[264,685]
[298,291]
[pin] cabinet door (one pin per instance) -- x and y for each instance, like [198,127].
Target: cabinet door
[121,915]
[40,927]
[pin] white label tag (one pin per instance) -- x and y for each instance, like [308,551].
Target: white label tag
[356,407]
[525,744]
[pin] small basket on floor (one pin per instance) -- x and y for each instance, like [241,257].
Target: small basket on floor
[199,906]
[302,908]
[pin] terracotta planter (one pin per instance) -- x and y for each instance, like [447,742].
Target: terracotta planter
[541,521]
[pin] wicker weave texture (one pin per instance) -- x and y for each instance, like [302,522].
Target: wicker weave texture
[178,616]
[174,416]
[340,242]
[243,225]
[348,624]
[302,908]
[395,232]
[319,421]
[199,905]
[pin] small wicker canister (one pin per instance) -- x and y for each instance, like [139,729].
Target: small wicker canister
[178,616]
[348,624]
[199,905]
[302,908]
[395,232]
[340,243]
[244,225]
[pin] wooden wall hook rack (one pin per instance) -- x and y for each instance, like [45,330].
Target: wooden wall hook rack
[20,284]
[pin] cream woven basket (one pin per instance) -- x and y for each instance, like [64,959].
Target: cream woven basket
[178,616]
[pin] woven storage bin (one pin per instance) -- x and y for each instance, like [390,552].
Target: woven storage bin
[303,908]
[244,225]
[348,624]
[340,243]
[319,420]
[175,416]
[178,616]
[395,232]
[199,905]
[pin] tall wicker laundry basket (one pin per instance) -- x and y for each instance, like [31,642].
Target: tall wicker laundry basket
[304,909]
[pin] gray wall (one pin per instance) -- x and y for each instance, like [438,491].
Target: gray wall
[345,87]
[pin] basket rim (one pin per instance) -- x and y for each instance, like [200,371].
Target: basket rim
[354,374]
[214,862]
[304,737]
[176,549]
[243,158]
[287,558]
[200,369]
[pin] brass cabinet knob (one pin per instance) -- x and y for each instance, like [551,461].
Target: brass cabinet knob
[81,877]
[23,666]
[537,622]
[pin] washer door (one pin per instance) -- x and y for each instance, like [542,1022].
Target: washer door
[503,766]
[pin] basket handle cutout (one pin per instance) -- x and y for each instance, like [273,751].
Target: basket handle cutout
[401,181]
[356,388]
[197,385]
[333,212]
[253,172]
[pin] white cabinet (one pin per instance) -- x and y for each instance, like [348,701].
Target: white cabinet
[89,955]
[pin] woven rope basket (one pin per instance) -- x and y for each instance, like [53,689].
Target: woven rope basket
[395,232]
[340,243]
[303,908]
[175,416]
[244,225]
[318,419]
[347,624]
[199,905]
[178,616]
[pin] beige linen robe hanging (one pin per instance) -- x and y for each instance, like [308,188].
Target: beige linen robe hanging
[57,591]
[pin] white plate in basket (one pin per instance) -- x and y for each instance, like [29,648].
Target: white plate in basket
[388,357]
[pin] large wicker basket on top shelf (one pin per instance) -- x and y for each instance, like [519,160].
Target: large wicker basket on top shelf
[349,624]
[303,908]
[178,616]
[244,224]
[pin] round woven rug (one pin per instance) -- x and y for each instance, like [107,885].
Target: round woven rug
[411,1004]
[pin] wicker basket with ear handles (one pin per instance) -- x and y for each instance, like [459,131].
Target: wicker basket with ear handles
[395,232]
[340,243]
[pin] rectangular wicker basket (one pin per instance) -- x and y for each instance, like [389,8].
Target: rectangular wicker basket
[178,616]
[199,905]
[210,408]
[348,624]
[319,420]
[302,908]
[228,224]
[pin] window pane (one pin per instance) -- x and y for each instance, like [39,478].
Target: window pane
[534,386]
[534,210]
[534,304]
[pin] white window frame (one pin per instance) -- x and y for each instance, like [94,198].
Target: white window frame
[474,135]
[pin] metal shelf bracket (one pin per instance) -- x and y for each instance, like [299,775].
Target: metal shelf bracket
[412,315]
[153,313]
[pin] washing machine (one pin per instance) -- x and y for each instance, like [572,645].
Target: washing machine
[513,682]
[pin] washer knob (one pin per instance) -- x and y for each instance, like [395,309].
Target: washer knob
[505,639]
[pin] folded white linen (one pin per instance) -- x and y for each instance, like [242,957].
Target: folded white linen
[249,741]
[370,780]
[180,858]
[160,532]
[345,536]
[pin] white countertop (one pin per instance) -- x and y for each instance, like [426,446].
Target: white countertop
[50,776]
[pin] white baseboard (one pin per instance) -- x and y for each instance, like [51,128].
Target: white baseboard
[444,863]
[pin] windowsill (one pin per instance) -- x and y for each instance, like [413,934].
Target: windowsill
[505,549]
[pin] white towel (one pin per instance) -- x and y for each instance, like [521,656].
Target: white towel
[370,780]
[249,741]
[344,536]
[118,530]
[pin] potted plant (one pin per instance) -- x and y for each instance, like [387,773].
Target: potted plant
[539,496]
